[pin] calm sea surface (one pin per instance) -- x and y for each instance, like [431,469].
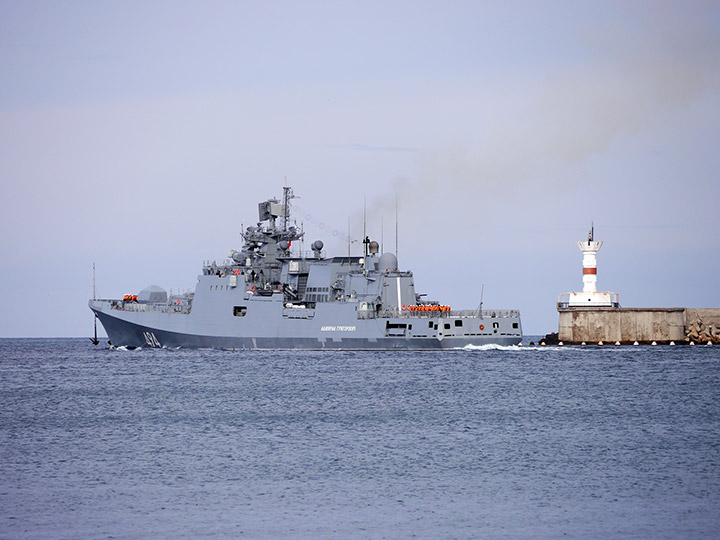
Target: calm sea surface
[534,443]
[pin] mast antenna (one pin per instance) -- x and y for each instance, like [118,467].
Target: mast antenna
[94,340]
[396,226]
[382,232]
[286,201]
[365,238]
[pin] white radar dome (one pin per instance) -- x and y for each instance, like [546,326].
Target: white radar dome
[388,263]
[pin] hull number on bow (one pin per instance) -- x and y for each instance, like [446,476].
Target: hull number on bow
[151,340]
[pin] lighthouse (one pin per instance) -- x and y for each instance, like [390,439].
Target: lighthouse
[595,317]
[589,296]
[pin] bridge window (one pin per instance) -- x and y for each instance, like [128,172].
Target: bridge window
[458,322]
[515,325]
[447,326]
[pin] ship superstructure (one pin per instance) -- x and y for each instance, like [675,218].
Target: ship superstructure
[269,294]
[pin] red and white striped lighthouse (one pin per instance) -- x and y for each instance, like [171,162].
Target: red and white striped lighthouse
[590,296]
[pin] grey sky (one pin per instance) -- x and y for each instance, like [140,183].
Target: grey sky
[140,135]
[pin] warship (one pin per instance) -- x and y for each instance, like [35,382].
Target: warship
[272,295]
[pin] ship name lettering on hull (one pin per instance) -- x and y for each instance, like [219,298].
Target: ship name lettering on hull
[337,329]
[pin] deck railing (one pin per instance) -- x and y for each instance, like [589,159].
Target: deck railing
[142,307]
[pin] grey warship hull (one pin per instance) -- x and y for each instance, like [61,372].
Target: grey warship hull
[266,297]
[326,331]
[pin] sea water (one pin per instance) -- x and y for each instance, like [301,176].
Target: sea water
[531,442]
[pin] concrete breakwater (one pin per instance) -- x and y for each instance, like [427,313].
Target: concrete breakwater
[626,326]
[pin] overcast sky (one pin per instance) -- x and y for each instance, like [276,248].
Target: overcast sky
[141,135]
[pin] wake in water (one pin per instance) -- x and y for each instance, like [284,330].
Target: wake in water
[493,347]
[124,348]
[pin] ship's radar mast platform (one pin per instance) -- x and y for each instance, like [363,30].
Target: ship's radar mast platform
[589,296]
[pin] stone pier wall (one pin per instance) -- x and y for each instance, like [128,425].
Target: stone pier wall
[626,325]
